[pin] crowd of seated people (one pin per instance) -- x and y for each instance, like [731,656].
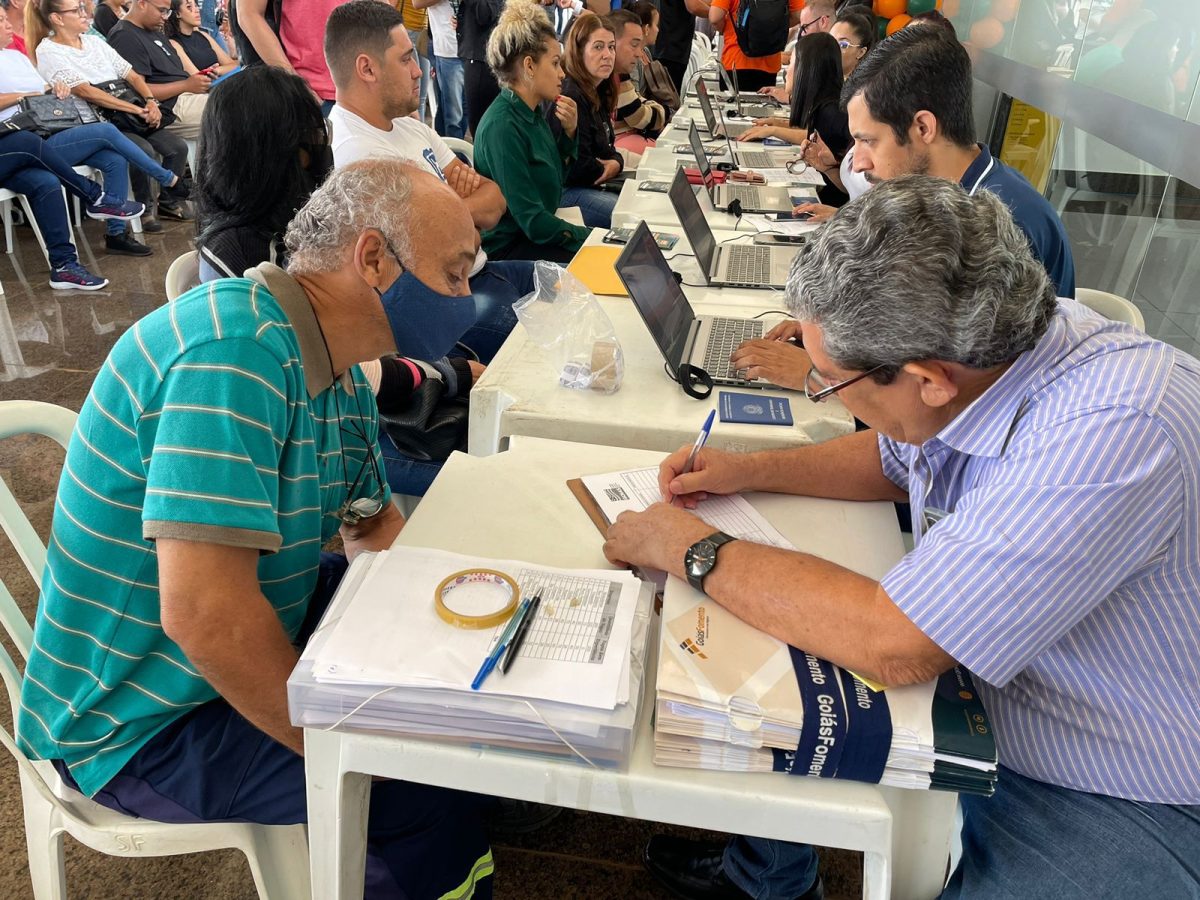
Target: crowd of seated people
[354,265]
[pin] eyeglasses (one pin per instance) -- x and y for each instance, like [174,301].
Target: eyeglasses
[71,9]
[812,24]
[817,389]
[351,512]
[164,11]
[846,45]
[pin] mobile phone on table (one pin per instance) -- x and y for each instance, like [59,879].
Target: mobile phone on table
[656,187]
[788,217]
[622,236]
[770,238]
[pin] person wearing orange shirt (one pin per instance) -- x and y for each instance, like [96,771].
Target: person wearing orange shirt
[754,72]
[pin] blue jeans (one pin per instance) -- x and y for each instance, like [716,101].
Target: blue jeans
[212,765]
[30,166]
[451,115]
[597,206]
[1029,840]
[414,35]
[103,147]
[406,475]
[495,288]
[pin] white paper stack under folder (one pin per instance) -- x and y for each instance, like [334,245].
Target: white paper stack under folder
[383,660]
[731,697]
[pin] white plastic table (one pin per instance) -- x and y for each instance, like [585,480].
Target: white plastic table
[516,505]
[520,394]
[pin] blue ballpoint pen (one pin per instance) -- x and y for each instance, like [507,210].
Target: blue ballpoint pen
[494,656]
[701,440]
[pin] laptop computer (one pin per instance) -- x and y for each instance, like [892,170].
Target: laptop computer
[754,157]
[732,265]
[681,337]
[715,126]
[754,198]
[756,108]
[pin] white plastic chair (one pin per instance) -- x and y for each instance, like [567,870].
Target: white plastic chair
[458,145]
[97,176]
[6,199]
[278,854]
[183,274]
[1111,307]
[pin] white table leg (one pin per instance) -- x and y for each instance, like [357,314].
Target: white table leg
[923,824]
[337,819]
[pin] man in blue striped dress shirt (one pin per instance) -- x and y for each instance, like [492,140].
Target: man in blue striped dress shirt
[1052,459]
[228,436]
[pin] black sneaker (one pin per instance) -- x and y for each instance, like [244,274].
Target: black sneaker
[125,245]
[177,211]
[178,192]
[150,223]
[692,870]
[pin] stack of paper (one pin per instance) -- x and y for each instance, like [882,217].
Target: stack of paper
[734,698]
[731,697]
[384,660]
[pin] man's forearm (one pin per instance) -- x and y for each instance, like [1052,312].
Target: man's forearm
[376,533]
[487,206]
[167,91]
[264,41]
[846,468]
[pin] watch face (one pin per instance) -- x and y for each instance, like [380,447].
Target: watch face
[702,556]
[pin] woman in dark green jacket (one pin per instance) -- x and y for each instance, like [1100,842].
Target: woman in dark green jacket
[515,146]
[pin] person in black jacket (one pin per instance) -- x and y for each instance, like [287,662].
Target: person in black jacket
[474,21]
[591,52]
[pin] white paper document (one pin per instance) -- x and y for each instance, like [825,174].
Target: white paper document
[618,492]
[761,223]
[576,651]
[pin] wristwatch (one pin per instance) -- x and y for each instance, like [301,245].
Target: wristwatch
[701,558]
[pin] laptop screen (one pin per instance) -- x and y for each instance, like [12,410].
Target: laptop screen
[656,294]
[710,118]
[691,217]
[706,175]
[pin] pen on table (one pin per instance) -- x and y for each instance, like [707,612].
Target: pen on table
[501,645]
[701,440]
[514,646]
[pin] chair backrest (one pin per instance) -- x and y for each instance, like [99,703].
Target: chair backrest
[1111,307]
[458,145]
[183,274]
[19,417]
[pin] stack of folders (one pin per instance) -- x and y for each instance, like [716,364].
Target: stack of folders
[733,698]
[383,659]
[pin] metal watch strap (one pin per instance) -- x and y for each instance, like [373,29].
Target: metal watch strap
[718,539]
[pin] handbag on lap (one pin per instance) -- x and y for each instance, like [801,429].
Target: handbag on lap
[128,122]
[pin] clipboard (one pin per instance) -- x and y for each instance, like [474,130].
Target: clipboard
[589,504]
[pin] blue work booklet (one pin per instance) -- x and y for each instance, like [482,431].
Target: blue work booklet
[754,409]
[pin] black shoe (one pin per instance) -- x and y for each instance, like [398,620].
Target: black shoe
[692,870]
[177,211]
[515,817]
[124,245]
[150,223]
[178,192]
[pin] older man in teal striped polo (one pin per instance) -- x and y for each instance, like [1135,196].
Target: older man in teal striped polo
[227,438]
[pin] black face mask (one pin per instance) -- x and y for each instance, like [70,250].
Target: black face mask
[320,164]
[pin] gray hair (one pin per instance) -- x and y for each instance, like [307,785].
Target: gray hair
[371,193]
[521,30]
[917,269]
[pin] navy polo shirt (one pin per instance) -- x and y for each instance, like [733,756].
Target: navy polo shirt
[1033,214]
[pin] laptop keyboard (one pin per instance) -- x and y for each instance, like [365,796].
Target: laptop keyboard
[748,195]
[748,264]
[755,158]
[723,339]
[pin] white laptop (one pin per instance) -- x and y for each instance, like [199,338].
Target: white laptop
[753,198]
[728,265]
[716,127]
[681,337]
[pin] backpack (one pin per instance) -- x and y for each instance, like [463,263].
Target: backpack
[761,26]
[247,55]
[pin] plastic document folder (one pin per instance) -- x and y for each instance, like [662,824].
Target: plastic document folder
[382,661]
[596,268]
[734,698]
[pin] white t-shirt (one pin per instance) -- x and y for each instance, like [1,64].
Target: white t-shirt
[445,41]
[95,63]
[855,183]
[354,138]
[17,76]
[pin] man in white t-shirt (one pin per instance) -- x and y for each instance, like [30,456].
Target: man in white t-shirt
[377,77]
[451,117]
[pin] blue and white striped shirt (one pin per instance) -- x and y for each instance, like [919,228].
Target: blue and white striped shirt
[1067,573]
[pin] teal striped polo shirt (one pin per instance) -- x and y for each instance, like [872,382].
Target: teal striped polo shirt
[215,418]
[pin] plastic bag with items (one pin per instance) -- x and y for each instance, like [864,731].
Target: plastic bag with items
[565,320]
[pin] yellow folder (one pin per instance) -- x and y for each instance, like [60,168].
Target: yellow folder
[594,266]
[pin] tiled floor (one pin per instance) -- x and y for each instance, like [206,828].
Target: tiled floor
[64,338]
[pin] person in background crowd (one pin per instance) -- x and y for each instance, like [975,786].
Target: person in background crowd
[673,48]
[242,210]
[589,82]
[637,120]
[757,72]
[108,14]
[817,16]
[417,22]
[98,145]
[815,110]
[856,35]
[65,52]
[255,448]
[138,38]
[451,118]
[296,46]
[474,24]
[562,13]
[16,11]
[197,49]
[515,146]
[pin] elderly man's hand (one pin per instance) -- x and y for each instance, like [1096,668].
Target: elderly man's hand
[713,472]
[654,539]
[780,362]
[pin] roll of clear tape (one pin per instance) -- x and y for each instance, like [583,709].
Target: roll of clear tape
[458,619]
